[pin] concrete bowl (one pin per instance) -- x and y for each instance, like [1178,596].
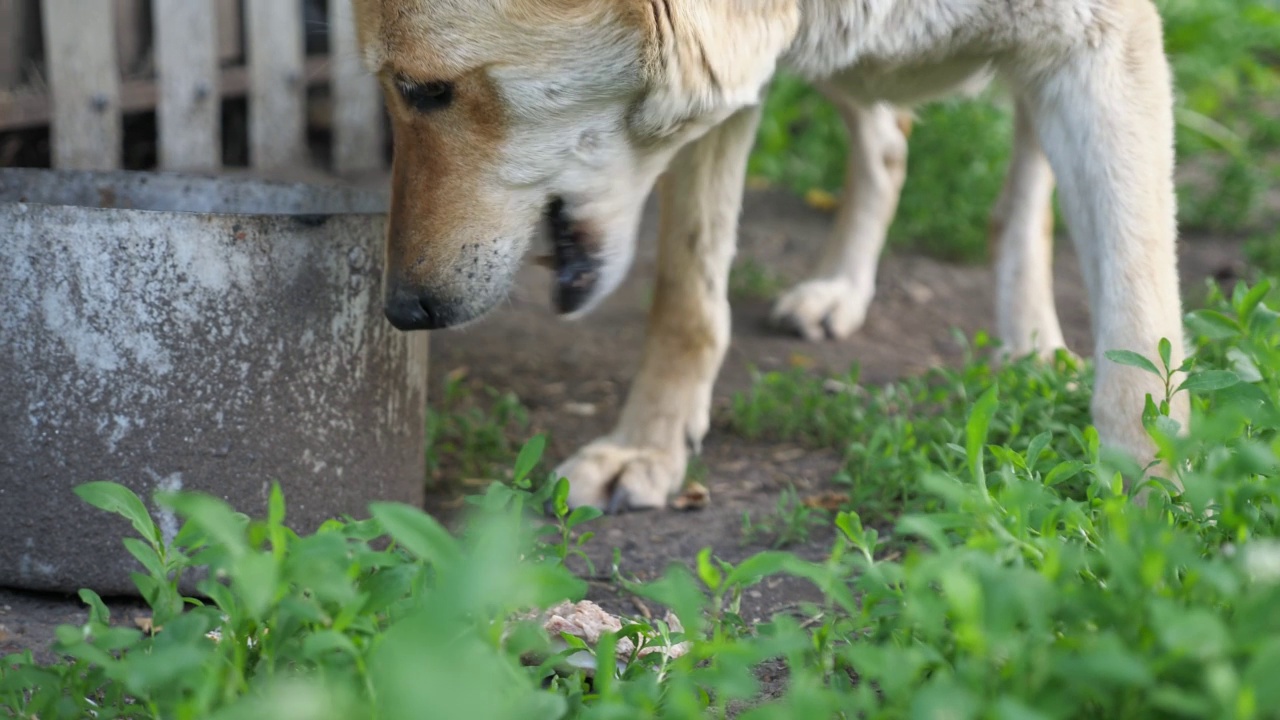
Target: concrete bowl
[166,331]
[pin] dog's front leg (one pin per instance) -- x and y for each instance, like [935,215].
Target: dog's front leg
[667,412]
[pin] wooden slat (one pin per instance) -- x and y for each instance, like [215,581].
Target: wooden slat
[31,108]
[230,32]
[80,59]
[277,95]
[13,40]
[357,101]
[130,39]
[188,116]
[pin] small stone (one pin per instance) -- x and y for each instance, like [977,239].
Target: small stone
[580,409]
[919,293]
[786,455]
[835,387]
[830,500]
[695,496]
[801,362]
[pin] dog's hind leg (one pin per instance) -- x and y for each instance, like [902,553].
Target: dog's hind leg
[1022,240]
[668,409]
[1103,111]
[832,302]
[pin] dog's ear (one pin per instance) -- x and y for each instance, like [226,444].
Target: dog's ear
[705,59]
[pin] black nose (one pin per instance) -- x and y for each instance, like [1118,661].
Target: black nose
[407,311]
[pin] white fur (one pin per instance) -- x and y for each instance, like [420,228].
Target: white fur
[1090,80]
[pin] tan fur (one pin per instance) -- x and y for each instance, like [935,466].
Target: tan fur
[436,173]
[588,102]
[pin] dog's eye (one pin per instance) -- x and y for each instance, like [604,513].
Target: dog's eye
[428,96]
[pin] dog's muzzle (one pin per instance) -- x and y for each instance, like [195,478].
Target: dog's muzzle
[575,269]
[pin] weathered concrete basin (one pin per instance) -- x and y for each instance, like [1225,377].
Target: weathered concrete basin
[165,331]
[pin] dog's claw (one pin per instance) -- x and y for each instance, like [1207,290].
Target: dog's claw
[619,501]
[693,443]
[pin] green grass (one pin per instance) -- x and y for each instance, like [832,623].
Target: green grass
[470,431]
[892,434]
[1226,60]
[989,563]
[1263,251]
[1004,572]
[751,280]
[789,524]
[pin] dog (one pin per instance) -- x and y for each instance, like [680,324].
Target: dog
[508,114]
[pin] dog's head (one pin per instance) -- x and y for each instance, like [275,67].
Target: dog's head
[511,113]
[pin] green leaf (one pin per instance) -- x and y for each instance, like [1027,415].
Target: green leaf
[573,641]
[678,590]
[387,586]
[416,531]
[1037,447]
[976,433]
[1243,365]
[163,666]
[1209,380]
[707,571]
[850,523]
[1251,299]
[1008,708]
[758,567]
[1165,348]
[120,500]
[1262,671]
[1214,324]
[1005,456]
[1063,472]
[925,527]
[146,555]
[944,699]
[98,612]
[1108,663]
[327,641]
[585,513]
[213,517]
[1132,359]
[275,506]
[530,453]
[255,579]
[560,499]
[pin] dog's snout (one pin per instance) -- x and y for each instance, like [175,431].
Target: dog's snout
[416,311]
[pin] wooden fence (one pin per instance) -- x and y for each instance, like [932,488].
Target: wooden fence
[77,66]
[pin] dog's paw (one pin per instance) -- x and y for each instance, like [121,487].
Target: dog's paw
[616,478]
[831,308]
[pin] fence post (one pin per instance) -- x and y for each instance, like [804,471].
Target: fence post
[84,81]
[358,133]
[13,41]
[277,88]
[188,115]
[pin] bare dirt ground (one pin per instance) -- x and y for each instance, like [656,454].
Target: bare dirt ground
[574,376]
